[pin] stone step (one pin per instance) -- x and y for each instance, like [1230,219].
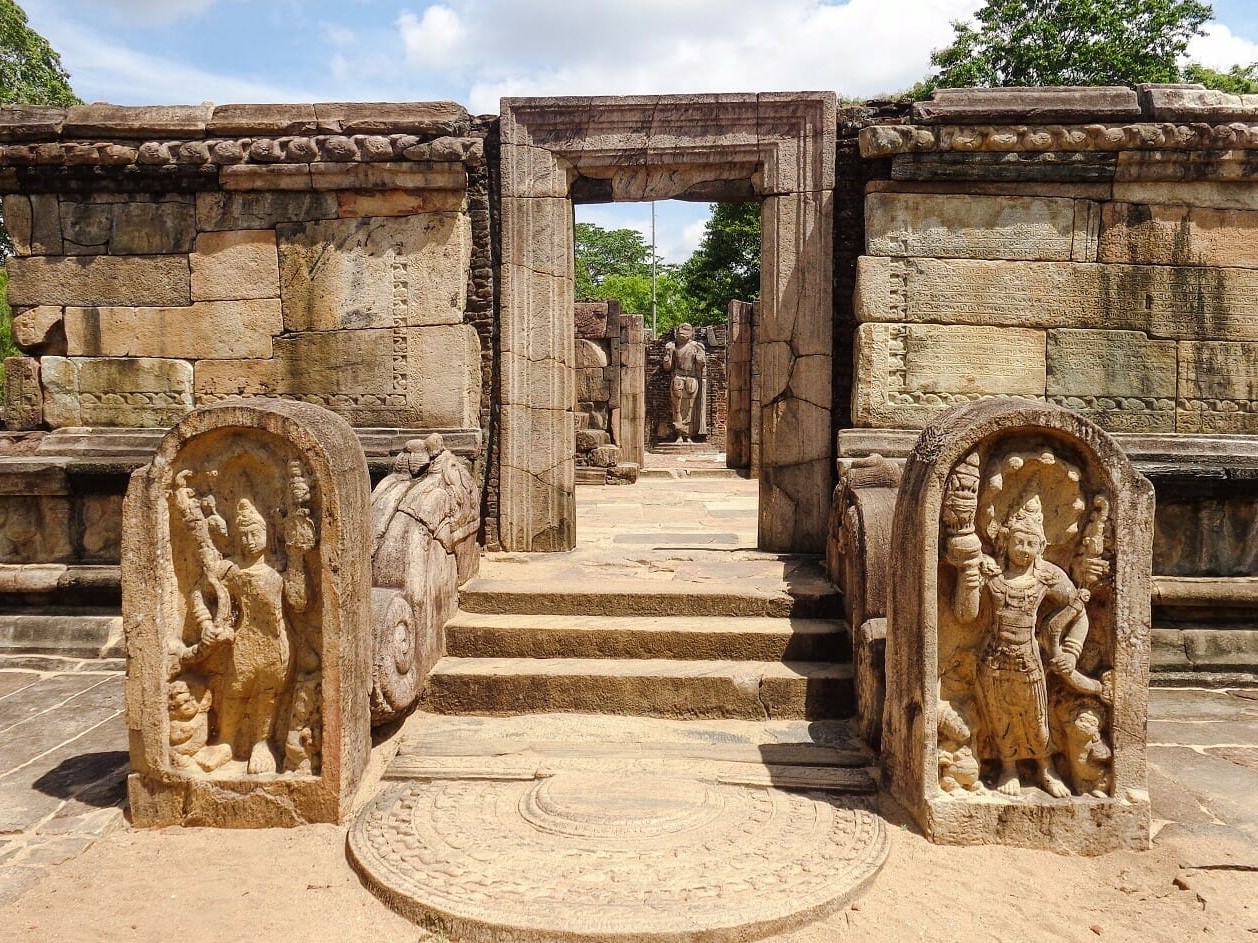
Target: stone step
[489,635]
[806,598]
[824,754]
[651,687]
[82,634]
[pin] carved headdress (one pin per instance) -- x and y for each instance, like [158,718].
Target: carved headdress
[1028,518]
[247,516]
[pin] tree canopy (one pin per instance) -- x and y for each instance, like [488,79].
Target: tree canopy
[1069,42]
[615,265]
[30,69]
[726,265]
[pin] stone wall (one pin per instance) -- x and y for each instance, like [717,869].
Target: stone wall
[171,257]
[1102,260]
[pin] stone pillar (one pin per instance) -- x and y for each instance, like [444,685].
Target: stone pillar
[632,389]
[1018,633]
[538,503]
[738,365]
[795,341]
[246,582]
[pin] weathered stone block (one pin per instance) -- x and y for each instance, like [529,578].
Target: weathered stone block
[35,327]
[1120,380]
[1195,103]
[388,175]
[1018,634]
[36,529]
[249,178]
[980,227]
[251,120]
[448,397]
[908,374]
[605,456]
[30,122]
[593,318]
[590,355]
[424,118]
[34,224]
[352,203]
[1178,303]
[1226,195]
[23,398]
[235,264]
[588,439]
[226,210]
[212,330]
[592,386]
[1218,387]
[1064,104]
[101,121]
[374,272]
[1178,235]
[127,226]
[115,391]
[245,593]
[103,280]
[378,377]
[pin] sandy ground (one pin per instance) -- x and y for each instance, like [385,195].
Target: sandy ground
[294,885]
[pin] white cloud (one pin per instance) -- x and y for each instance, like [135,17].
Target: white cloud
[103,71]
[338,35]
[1221,49]
[857,48]
[437,40]
[157,12]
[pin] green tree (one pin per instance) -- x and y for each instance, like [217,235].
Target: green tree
[1068,42]
[1238,80]
[601,253]
[726,265]
[30,69]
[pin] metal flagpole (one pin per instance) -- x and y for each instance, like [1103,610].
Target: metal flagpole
[654,327]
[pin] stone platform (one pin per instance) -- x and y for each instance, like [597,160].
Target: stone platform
[575,827]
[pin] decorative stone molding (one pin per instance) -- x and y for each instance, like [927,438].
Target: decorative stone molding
[778,147]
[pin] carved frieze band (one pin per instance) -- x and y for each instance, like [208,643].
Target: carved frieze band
[886,140]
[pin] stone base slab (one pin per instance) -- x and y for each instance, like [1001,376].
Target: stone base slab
[1075,826]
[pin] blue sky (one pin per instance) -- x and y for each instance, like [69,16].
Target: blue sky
[475,51]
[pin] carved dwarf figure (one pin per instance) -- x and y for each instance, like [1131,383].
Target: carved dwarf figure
[958,769]
[188,702]
[686,359]
[244,640]
[1011,683]
[1087,754]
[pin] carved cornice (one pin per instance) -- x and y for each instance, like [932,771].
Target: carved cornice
[889,140]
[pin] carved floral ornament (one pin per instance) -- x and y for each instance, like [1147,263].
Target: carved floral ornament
[1026,629]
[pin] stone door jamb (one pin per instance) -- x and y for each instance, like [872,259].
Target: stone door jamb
[778,148]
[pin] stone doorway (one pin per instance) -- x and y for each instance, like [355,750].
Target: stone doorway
[776,148]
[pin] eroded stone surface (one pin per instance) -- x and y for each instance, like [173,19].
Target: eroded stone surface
[1018,642]
[244,590]
[589,856]
[424,520]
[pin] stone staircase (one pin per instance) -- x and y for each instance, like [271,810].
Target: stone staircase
[635,647]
